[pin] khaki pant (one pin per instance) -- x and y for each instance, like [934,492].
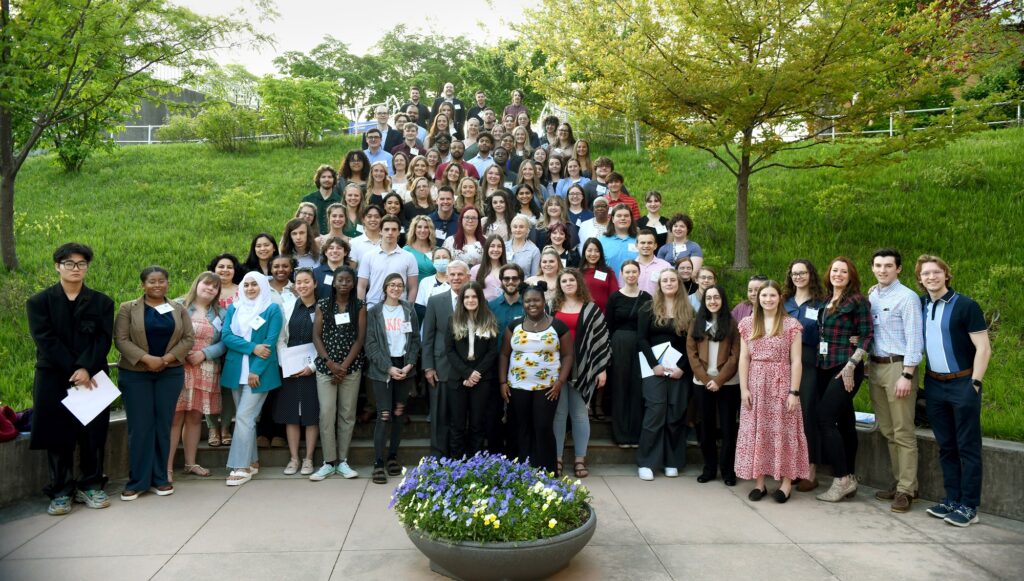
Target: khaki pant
[337,414]
[895,417]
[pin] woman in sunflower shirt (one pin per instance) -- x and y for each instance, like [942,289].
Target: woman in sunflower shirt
[535,363]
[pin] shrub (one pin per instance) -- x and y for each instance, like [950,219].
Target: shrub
[178,128]
[301,109]
[488,498]
[226,128]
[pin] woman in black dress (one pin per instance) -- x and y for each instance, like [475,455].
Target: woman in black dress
[627,397]
[297,405]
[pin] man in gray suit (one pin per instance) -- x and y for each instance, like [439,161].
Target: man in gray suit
[435,356]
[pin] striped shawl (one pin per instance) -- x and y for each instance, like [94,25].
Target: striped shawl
[592,350]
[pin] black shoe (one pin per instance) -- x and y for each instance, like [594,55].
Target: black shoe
[394,468]
[757,494]
[706,476]
[730,480]
[780,497]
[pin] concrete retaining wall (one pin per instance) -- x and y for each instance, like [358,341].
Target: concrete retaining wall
[24,471]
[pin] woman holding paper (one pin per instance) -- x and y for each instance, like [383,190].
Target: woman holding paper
[392,347]
[201,393]
[625,383]
[154,337]
[250,333]
[297,405]
[661,335]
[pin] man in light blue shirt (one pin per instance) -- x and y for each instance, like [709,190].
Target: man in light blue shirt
[375,151]
[483,159]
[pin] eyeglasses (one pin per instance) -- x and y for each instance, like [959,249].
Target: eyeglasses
[72,265]
[470,218]
[801,274]
[369,137]
[705,277]
[397,285]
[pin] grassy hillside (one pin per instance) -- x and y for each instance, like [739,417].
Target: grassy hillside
[179,205]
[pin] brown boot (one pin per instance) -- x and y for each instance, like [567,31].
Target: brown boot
[902,502]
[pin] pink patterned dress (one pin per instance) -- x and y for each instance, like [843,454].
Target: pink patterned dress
[202,382]
[771,440]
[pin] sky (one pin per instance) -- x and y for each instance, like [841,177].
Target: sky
[302,24]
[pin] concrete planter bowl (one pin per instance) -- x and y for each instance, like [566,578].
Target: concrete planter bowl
[518,561]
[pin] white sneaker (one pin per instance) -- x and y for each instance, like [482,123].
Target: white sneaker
[645,473]
[671,472]
[292,467]
[307,467]
[346,471]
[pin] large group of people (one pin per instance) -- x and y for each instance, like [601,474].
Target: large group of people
[511,279]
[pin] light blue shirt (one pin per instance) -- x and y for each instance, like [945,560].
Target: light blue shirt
[618,249]
[896,316]
[381,155]
[481,163]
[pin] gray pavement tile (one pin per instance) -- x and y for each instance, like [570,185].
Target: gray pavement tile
[672,511]
[614,527]
[83,568]
[1003,561]
[990,529]
[407,565]
[149,525]
[272,566]
[375,526]
[281,515]
[613,563]
[742,561]
[21,522]
[805,519]
[886,561]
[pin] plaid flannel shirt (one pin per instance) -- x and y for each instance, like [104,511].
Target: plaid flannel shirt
[851,319]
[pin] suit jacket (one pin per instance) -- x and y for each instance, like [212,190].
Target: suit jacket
[728,355]
[63,345]
[267,334]
[390,139]
[130,335]
[460,111]
[435,329]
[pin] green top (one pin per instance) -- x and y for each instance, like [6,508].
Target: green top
[321,208]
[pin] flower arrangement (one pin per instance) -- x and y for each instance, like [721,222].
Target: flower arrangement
[488,498]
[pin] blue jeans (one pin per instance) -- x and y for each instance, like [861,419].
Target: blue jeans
[571,405]
[954,409]
[149,402]
[243,441]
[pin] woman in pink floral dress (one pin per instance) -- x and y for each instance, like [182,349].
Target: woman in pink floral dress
[771,439]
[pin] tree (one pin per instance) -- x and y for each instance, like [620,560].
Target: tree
[757,84]
[331,61]
[62,61]
[300,108]
[496,70]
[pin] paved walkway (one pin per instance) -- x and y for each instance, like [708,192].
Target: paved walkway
[274,528]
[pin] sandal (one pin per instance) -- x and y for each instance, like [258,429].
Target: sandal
[379,475]
[558,468]
[225,439]
[238,477]
[393,467]
[214,439]
[580,468]
[195,469]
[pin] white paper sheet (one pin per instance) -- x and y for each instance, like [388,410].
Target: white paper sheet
[293,359]
[659,352]
[86,404]
[671,358]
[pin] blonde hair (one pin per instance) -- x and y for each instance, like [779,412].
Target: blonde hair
[682,312]
[758,330]
[371,184]
[542,223]
[460,201]
[411,230]
[205,276]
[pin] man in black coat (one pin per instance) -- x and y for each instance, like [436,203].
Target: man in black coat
[448,94]
[73,327]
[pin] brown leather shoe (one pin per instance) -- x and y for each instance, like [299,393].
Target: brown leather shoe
[262,442]
[902,502]
[886,494]
[806,485]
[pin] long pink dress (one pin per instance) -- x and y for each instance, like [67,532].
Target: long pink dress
[771,440]
[201,391]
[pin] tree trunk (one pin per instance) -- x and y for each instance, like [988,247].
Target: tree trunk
[8,168]
[10,255]
[741,257]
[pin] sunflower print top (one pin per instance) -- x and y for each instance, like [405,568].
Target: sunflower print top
[535,357]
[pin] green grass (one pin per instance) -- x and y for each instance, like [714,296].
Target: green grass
[179,205]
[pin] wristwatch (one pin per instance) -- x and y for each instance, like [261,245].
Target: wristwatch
[907,375]
[976,383]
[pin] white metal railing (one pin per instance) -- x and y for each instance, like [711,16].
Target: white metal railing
[1017,121]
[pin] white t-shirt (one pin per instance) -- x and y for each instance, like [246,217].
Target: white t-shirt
[393,319]
[375,266]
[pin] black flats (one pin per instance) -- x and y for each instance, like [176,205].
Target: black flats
[780,497]
[757,494]
[706,477]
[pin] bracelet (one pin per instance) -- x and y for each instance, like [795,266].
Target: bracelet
[794,392]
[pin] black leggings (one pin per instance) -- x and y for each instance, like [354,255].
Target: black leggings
[837,427]
[391,397]
[535,427]
[468,404]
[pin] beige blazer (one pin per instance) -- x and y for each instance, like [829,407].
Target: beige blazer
[728,355]
[130,335]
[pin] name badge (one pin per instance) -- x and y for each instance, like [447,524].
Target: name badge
[563,263]
[258,322]
[218,324]
[312,317]
[680,248]
[164,308]
[600,275]
[823,348]
[341,319]
[659,228]
[359,228]
[414,151]
[441,234]
[407,327]
[811,314]
[631,247]
[602,189]
[458,107]
[328,279]
[654,276]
